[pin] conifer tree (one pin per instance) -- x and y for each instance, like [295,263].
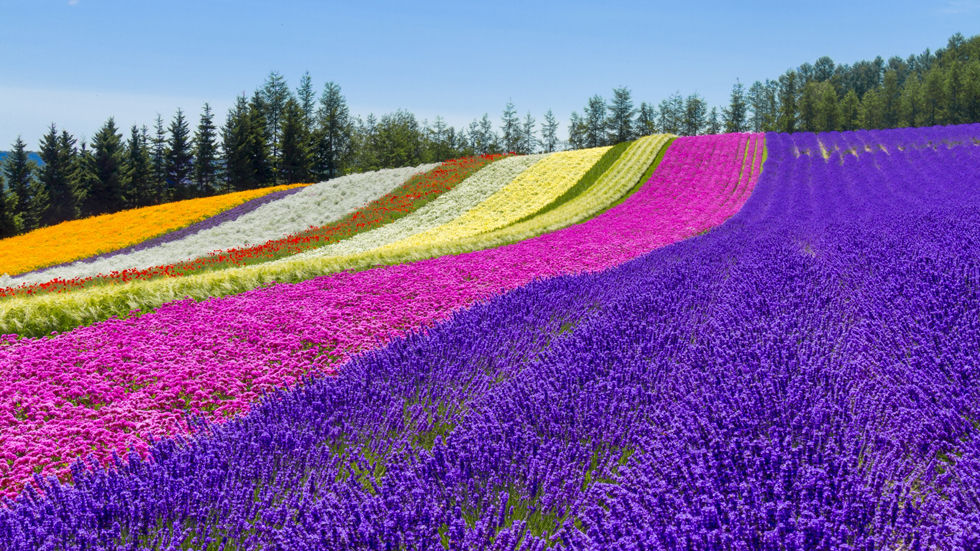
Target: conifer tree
[307,100]
[8,225]
[235,134]
[576,131]
[549,132]
[206,154]
[695,115]
[55,177]
[179,160]
[713,125]
[274,94]
[107,193]
[138,169]
[528,143]
[646,120]
[594,121]
[735,114]
[789,89]
[510,128]
[257,144]
[84,180]
[621,112]
[158,163]
[333,137]
[850,109]
[671,114]
[18,170]
[295,156]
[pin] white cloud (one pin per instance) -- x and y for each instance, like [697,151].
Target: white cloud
[73,2]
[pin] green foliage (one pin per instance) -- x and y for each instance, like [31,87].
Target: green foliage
[179,160]
[206,154]
[18,171]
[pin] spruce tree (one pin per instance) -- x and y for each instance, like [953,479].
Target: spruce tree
[621,112]
[55,176]
[257,144]
[206,154]
[510,128]
[594,120]
[8,225]
[307,100]
[713,126]
[235,144]
[158,164]
[828,108]
[179,161]
[735,114]
[789,90]
[850,109]
[295,156]
[39,205]
[84,179]
[528,143]
[695,115]
[106,195]
[274,93]
[333,136]
[576,131]
[549,132]
[138,169]
[646,120]
[18,170]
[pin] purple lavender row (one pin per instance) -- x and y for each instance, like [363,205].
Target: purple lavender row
[802,377]
[176,235]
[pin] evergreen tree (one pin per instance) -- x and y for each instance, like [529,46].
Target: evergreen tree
[158,164]
[275,92]
[295,165]
[510,128]
[18,170]
[828,108]
[483,139]
[549,132]
[235,135]
[594,121]
[138,169]
[39,205]
[621,112]
[55,177]
[909,108]
[8,225]
[206,154]
[576,131]
[850,110]
[695,115]
[891,95]
[789,90]
[439,138]
[646,120]
[764,104]
[106,195]
[809,100]
[713,125]
[735,114]
[84,181]
[872,113]
[528,143]
[671,114]
[397,140]
[257,145]
[333,137]
[933,99]
[307,100]
[179,159]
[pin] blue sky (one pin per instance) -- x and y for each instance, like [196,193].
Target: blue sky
[76,62]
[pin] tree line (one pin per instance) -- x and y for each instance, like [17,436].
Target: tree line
[279,135]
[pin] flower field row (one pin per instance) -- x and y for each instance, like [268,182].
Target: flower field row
[106,387]
[801,377]
[90,236]
[314,206]
[30,307]
[464,197]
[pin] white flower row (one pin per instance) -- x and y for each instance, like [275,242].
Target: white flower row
[464,197]
[315,205]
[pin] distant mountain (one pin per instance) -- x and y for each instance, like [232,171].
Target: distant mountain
[30,155]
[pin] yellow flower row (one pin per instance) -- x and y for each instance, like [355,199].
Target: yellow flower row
[42,314]
[531,191]
[78,239]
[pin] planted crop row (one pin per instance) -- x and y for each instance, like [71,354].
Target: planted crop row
[802,377]
[83,238]
[98,292]
[107,387]
[314,206]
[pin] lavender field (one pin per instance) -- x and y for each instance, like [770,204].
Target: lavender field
[803,376]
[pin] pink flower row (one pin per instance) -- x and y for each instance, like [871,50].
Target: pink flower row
[100,389]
